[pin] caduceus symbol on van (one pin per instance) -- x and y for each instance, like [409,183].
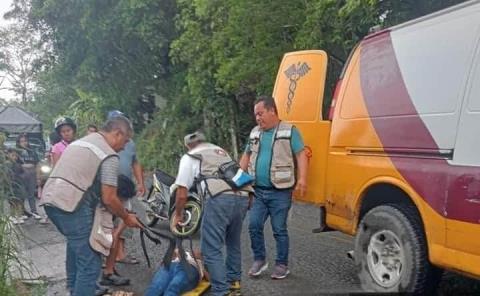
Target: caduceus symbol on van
[294,73]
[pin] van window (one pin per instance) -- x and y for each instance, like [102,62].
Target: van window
[349,108]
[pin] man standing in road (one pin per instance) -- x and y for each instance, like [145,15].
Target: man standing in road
[85,177]
[129,167]
[223,212]
[275,156]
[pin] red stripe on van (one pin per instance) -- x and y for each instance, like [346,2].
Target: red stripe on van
[452,191]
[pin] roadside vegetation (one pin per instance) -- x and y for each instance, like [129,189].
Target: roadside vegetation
[7,246]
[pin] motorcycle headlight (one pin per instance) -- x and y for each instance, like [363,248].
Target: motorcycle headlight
[45,169]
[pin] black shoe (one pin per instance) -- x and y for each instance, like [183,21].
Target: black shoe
[100,290]
[114,280]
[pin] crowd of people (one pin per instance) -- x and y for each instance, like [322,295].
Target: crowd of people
[84,197]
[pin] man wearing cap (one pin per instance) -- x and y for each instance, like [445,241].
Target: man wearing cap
[223,215]
[275,156]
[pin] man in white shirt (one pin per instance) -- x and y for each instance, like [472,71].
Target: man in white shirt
[223,212]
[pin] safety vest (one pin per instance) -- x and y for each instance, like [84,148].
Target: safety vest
[211,157]
[75,172]
[282,164]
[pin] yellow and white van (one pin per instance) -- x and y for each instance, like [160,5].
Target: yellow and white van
[397,164]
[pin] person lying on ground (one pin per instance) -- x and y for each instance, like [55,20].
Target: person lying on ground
[175,280]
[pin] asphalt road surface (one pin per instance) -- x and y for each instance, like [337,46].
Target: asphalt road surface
[318,262]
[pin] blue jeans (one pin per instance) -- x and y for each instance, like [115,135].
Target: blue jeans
[222,226]
[83,263]
[276,204]
[171,282]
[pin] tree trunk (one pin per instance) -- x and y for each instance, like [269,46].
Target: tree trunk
[233,128]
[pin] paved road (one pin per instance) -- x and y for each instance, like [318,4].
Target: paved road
[318,261]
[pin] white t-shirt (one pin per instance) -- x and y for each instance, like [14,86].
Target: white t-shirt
[189,168]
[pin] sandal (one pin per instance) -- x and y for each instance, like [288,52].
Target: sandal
[128,260]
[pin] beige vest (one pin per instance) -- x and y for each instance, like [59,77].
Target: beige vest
[211,157]
[282,165]
[101,236]
[75,172]
[73,175]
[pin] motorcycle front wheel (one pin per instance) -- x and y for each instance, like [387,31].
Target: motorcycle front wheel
[192,219]
[151,219]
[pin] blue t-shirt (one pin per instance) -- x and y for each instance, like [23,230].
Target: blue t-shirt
[127,157]
[262,168]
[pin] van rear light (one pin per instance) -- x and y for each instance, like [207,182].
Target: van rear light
[334,99]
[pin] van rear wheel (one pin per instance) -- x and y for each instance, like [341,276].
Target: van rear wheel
[391,252]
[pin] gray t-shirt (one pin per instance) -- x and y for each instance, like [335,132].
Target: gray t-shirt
[109,171]
[108,175]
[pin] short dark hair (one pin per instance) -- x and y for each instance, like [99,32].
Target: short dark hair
[120,123]
[268,102]
[11,150]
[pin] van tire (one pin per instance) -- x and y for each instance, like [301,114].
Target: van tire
[396,230]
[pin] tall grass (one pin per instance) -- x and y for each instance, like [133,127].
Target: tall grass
[8,254]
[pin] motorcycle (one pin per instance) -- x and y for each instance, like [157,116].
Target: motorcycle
[160,205]
[44,171]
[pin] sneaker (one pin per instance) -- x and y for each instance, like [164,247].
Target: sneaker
[114,280]
[257,268]
[15,220]
[280,272]
[36,216]
[24,217]
[44,220]
[235,288]
[101,290]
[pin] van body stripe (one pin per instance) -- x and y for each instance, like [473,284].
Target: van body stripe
[452,191]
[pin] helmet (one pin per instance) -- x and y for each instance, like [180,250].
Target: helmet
[64,121]
[115,113]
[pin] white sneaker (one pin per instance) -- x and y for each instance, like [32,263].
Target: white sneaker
[36,216]
[16,221]
[44,220]
[24,217]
